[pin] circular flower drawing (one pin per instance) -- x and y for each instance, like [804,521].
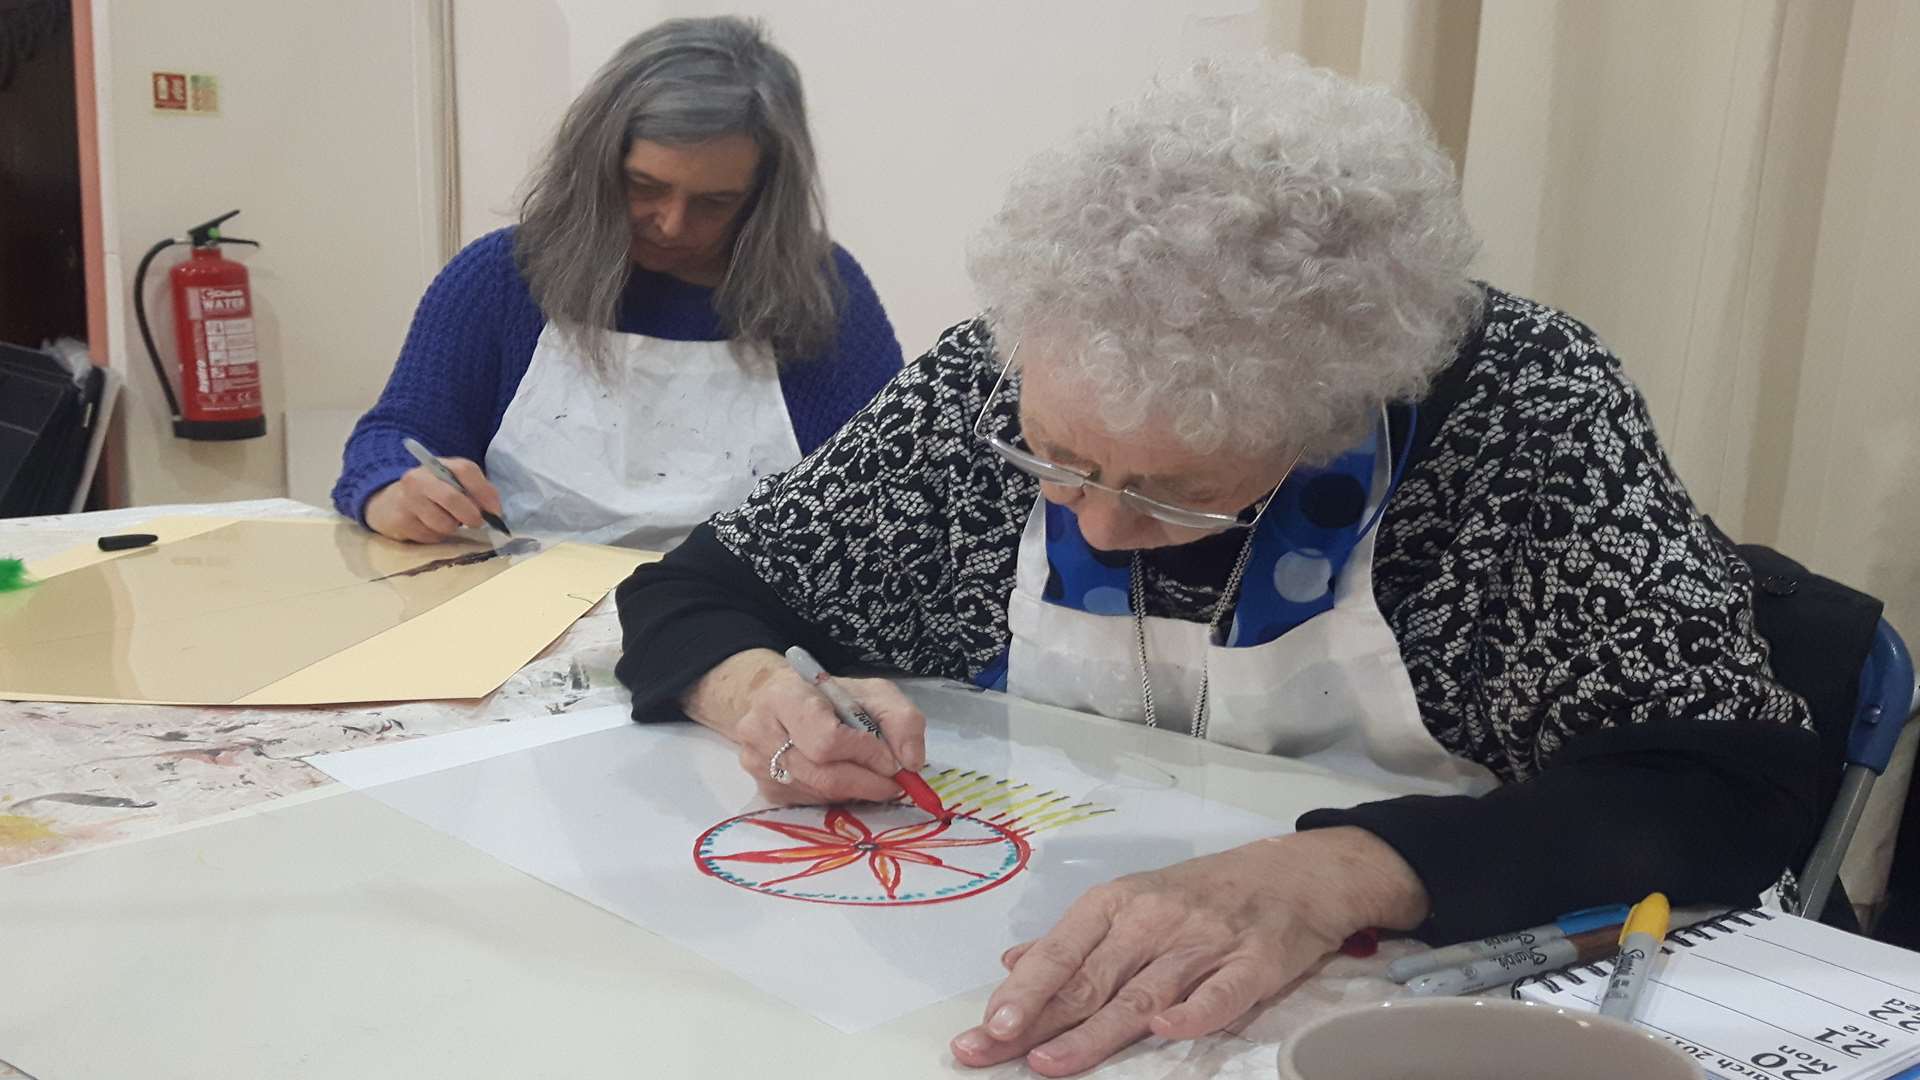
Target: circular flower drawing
[874,855]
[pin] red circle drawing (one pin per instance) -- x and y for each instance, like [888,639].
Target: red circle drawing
[881,855]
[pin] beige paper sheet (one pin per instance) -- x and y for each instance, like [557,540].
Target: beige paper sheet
[289,613]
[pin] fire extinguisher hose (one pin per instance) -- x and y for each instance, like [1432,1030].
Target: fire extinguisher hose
[146,332]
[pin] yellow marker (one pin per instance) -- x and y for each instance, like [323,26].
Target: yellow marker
[1640,939]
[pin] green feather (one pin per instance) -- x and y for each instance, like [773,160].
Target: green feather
[13,575]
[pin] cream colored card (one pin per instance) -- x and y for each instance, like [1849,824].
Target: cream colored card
[292,613]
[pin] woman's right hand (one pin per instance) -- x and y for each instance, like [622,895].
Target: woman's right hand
[425,509]
[757,700]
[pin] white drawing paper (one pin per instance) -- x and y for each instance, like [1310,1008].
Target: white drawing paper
[383,764]
[857,916]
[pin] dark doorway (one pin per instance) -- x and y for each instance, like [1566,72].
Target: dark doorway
[43,291]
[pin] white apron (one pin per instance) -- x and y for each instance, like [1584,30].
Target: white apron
[1332,691]
[675,432]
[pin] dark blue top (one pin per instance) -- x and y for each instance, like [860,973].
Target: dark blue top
[475,329]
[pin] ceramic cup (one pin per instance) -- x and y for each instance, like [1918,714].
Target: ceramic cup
[1477,1039]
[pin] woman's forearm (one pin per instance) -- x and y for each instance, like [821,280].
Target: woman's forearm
[720,697]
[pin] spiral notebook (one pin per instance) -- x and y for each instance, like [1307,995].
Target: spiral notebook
[1758,995]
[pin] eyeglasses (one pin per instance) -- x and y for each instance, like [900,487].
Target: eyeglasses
[1049,472]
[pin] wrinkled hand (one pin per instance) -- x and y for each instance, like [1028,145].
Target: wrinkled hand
[425,509]
[1184,951]
[756,699]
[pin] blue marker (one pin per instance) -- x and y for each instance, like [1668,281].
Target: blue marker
[1467,951]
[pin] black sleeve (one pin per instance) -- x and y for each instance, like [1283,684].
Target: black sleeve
[1704,811]
[888,548]
[1601,658]
[686,613]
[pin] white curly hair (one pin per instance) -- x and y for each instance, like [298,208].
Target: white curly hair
[1253,253]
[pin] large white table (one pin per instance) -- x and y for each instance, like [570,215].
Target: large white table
[334,937]
[324,935]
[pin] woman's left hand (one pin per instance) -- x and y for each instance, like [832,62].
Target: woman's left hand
[1185,951]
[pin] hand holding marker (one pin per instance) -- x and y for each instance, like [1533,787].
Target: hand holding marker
[853,716]
[445,475]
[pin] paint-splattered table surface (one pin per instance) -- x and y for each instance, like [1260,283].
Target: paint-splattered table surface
[74,776]
[334,937]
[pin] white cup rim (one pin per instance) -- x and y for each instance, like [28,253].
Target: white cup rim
[1288,1067]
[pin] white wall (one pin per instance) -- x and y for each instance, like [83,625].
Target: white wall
[325,142]
[1656,257]
[920,108]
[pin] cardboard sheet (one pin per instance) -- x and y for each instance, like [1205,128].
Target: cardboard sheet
[292,613]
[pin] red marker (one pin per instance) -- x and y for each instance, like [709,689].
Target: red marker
[921,793]
[852,715]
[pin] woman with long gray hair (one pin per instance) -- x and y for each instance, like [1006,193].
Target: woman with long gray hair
[668,322]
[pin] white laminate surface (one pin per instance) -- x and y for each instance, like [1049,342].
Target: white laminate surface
[334,937]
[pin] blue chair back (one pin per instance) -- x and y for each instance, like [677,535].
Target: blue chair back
[1886,701]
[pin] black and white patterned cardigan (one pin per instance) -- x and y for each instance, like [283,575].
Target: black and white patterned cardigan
[1569,620]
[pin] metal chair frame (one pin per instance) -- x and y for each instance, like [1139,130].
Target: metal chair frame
[1889,697]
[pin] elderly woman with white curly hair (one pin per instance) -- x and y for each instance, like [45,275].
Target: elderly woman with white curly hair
[1240,449]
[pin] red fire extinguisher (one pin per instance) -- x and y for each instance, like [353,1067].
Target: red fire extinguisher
[213,330]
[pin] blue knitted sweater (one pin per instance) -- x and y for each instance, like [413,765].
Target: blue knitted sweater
[473,336]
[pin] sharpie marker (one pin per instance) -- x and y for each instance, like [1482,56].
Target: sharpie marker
[439,469]
[1491,971]
[1578,922]
[853,716]
[1639,946]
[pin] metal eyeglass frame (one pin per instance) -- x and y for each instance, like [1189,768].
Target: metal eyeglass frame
[1053,473]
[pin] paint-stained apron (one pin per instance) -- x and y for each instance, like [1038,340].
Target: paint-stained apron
[673,433]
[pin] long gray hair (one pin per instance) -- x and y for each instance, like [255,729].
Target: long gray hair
[684,81]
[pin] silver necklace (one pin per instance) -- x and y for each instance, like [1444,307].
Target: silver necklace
[1197,727]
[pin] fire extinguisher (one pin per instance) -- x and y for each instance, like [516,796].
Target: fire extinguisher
[219,396]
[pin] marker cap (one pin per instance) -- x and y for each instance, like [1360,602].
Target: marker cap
[1593,918]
